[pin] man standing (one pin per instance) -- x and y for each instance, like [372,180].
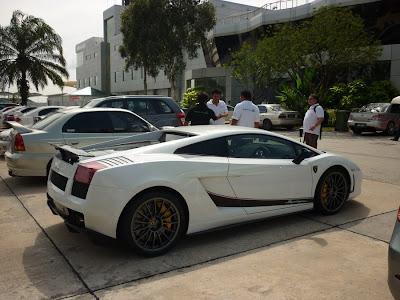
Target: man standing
[312,121]
[218,106]
[200,114]
[246,113]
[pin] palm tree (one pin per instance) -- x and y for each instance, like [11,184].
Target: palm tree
[30,52]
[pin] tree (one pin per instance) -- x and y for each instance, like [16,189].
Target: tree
[176,28]
[331,42]
[190,97]
[30,51]
[139,37]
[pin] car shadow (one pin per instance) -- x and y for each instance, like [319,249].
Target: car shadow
[103,262]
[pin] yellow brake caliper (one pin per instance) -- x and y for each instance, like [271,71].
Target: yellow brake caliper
[166,216]
[324,194]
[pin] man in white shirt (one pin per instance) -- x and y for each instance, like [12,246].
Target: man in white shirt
[246,113]
[219,108]
[312,121]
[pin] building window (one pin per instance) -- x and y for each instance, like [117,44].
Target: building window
[85,84]
[141,73]
[133,74]
[95,54]
[79,59]
[89,80]
[96,79]
[116,76]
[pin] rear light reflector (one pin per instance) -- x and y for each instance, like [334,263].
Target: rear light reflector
[282,116]
[85,172]
[181,117]
[19,143]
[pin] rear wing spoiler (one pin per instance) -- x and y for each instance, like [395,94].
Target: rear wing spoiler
[70,154]
[19,127]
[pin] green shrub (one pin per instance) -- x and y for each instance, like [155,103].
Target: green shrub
[190,97]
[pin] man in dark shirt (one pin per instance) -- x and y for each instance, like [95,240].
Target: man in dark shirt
[200,114]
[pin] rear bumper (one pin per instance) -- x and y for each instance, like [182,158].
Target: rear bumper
[27,164]
[367,126]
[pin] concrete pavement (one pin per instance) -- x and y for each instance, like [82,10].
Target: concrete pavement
[303,256]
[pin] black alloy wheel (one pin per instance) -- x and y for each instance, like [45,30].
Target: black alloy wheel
[153,223]
[390,129]
[267,124]
[332,192]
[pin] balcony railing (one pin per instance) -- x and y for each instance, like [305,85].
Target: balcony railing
[278,5]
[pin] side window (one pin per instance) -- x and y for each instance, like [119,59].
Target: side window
[127,122]
[162,107]
[260,146]
[46,111]
[215,147]
[396,108]
[88,122]
[113,104]
[262,109]
[138,106]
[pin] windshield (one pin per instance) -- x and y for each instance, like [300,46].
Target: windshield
[374,107]
[46,121]
[278,108]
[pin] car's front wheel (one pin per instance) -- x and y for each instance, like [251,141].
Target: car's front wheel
[332,191]
[153,223]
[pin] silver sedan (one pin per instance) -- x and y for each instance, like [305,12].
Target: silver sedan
[30,151]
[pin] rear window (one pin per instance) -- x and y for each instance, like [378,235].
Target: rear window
[46,121]
[374,107]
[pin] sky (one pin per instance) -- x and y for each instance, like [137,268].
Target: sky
[75,21]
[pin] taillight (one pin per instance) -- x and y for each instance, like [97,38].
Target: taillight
[298,116]
[398,215]
[181,117]
[85,172]
[376,117]
[351,117]
[19,143]
[10,118]
[18,119]
[282,116]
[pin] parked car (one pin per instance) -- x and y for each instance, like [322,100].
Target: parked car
[4,110]
[30,152]
[194,178]
[4,140]
[4,105]
[158,110]
[35,115]
[228,119]
[394,260]
[10,114]
[277,115]
[375,117]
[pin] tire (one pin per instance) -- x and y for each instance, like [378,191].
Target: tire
[153,223]
[357,131]
[332,192]
[267,125]
[390,129]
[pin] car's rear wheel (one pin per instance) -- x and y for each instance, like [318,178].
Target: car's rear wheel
[153,223]
[267,124]
[390,129]
[332,191]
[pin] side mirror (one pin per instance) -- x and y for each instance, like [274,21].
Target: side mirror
[303,155]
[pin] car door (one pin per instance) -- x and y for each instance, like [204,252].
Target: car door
[126,124]
[87,128]
[263,176]
[209,163]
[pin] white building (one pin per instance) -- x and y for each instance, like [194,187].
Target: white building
[100,65]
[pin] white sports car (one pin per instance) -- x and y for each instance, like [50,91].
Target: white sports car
[191,179]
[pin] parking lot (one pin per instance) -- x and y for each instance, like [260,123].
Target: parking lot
[302,256]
